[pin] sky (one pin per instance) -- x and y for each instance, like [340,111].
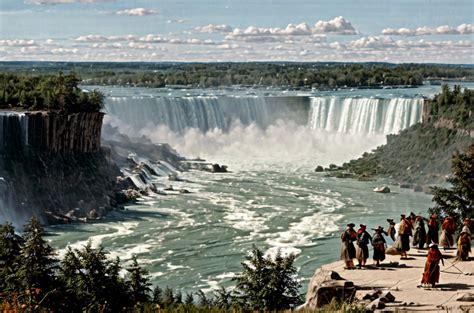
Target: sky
[399,31]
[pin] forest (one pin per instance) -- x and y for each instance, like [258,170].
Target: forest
[251,74]
[34,279]
[56,92]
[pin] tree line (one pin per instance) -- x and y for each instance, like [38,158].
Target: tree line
[266,74]
[33,279]
[47,92]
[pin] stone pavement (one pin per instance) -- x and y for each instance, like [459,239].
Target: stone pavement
[402,278]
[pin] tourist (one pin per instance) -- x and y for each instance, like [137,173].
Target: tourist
[464,242]
[447,231]
[419,238]
[404,232]
[378,242]
[433,228]
[348,252]
[391,229]
[363,238]
[431,273]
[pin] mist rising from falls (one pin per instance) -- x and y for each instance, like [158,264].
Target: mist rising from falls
[364,115]
[265,130]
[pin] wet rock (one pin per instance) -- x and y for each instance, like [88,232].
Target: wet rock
[382,189]
[319,168]
[216,168]
[169,188]
[184,191]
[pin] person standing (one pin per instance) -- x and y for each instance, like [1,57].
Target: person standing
[464,242]
[433,228]
[447,233]
[378,242]
[391,228]
[404,233]
[363,239]
[431,272]
[348,252]
[419,238]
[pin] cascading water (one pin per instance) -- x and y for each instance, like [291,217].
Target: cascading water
[334,114]
[364,115]
[205,113]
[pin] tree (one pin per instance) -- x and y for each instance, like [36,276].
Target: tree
[266,283]
[10,258]
[138,282]
[38,267]
[92,281]
[457,201]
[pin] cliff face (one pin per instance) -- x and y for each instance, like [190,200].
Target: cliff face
[53,166]
[50,132]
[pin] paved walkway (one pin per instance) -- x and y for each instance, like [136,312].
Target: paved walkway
[402,277]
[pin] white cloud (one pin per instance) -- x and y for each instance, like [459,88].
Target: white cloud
[463,29]
[18,43]
[46,2]
[338,25]
[211,28]
[137,12]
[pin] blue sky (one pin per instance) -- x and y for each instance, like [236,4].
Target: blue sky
[237,30]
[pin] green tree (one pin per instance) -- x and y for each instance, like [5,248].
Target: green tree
[266,283]
[457,201]
[138,282]
[38,267]
[92,281]
[10,258]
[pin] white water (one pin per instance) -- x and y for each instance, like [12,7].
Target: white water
[364,115]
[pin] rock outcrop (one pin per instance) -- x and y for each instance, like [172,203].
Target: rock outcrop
[326,285]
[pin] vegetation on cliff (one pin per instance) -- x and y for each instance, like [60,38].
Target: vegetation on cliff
[49,92]
[86,280]
[457,201]
[278,74]
[422,153]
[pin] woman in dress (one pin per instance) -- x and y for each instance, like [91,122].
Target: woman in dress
[433,227]
[464,242]
[419,238]
[404,233]
[378,242]
[348,252]
[363,239]
[447,231]
[431,273]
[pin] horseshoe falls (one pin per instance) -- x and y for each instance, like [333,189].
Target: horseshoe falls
[333,114]
[271,196]
[364,115]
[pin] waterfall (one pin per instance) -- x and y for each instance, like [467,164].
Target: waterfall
[205,113]
[335,114]
[364,115]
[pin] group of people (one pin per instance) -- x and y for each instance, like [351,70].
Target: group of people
[409,226]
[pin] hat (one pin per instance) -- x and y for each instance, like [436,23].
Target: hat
[351,224]
[467,220]
[402,215]
[380,228]
[362,226]
[389,220]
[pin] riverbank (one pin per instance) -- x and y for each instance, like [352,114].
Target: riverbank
[402,279]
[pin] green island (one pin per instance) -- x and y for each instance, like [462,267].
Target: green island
[263,74]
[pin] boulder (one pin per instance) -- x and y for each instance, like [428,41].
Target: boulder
[216,168]
[326,285]
[319,168]
[383,189]
[377,304]
[387,296]
[467,297]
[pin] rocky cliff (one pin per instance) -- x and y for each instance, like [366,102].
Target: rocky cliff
[52,165]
